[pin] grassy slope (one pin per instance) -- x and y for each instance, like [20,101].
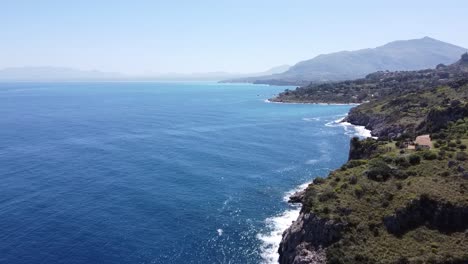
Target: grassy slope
[409,110]
[365,202]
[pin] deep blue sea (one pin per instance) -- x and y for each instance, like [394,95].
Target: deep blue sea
[144,172]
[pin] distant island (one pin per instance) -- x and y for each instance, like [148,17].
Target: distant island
[403,55]
[401,198]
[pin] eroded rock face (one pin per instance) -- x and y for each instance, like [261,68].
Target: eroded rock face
[438,118]
[297,197]
[380,126]
[304,240]
[444,217]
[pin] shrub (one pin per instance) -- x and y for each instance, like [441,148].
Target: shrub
[461,156]
[414,159]
[402,161]
[445,174]
[387,159]
[319,180]
[353,180]
[452,144]
[462,147]
[399,174]
[355,163]
[403,260]
[429,155]
[327,195]
[358,191]
[378,170]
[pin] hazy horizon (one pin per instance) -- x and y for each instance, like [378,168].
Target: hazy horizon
[154,37]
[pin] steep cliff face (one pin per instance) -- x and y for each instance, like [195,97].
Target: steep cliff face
[424,211]
[379,124]
[438,117]
[304,241]
[387,205]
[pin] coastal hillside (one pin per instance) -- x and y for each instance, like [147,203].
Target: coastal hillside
[400,55]
[402,198]
[395,102]
[377,85]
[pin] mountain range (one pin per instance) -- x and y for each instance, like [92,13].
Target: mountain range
[48,73]
[399,55]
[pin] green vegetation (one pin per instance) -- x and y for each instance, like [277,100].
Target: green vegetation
[380,85]
[364,193]
[401,204]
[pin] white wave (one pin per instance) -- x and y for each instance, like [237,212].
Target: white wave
[350,129]
[309,119]
[220,232]
[268,101]
[285,169]
[312,161]
[276,225]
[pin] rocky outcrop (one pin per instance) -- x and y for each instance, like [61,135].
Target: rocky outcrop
[304,241]
[297,197]
[378,124]
[438,118]
[432,213]
[361,149]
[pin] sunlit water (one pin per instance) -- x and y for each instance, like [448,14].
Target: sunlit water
[155,172]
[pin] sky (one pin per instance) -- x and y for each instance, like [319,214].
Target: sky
[241,36]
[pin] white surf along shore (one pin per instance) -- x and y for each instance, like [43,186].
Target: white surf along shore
[271,102]
[276,225]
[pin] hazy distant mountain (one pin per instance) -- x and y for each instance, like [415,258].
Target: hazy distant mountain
[54,74]
[398,55]
[278,69]
[69,74]
[214,76]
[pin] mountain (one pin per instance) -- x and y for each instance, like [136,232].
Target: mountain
[47,73]
[54,74]
[399,55]
[277,69]
[212,76]
[377,85]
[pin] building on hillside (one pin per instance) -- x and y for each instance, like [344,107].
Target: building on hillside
[423,142]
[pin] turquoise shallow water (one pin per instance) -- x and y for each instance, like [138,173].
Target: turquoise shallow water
[154,172]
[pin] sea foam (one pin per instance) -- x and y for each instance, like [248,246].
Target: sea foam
[271,238]
[350,129]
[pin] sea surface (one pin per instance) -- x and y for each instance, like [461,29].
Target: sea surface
[143,172]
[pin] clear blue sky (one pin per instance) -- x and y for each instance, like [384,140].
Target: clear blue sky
[199,36]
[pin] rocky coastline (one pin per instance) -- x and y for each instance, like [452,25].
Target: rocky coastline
[304,242]
[390,203]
